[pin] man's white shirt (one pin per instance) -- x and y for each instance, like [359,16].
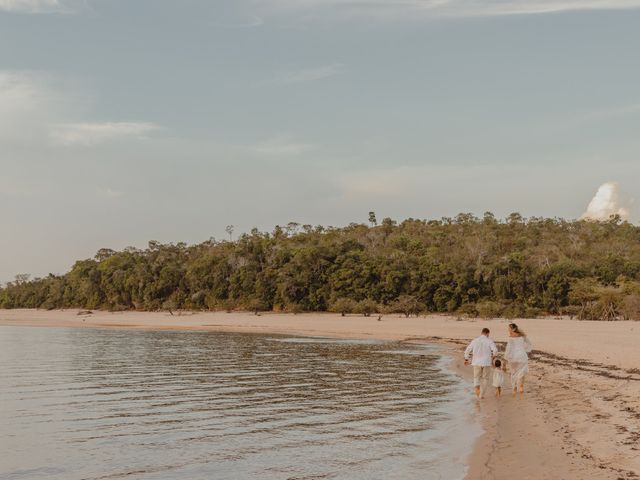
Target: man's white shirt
[481,350]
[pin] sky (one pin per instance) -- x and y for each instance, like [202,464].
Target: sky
[124,121]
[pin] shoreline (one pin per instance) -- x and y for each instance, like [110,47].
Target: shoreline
[580,417]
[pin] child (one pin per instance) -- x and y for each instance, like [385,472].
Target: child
[498,377]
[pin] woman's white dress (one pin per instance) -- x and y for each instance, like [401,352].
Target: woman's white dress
[517,356]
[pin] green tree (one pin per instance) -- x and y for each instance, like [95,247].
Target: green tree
[372,219]
[229,229]
[488,266]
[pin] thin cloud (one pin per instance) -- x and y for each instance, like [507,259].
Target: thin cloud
[18,91]
[309,75]
[450,8]
[37,111]
[477,8]
[36,6]
[89,134]
[27,104]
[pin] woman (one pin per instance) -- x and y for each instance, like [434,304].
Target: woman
[518,347]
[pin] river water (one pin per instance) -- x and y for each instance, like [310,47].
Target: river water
[111,404]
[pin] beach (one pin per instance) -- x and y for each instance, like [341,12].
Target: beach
[580,416]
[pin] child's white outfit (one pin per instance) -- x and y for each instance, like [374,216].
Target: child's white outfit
[498,378]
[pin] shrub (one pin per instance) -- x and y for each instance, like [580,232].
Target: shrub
[519,310]
[228,305]
[256,306]
[294,308]
[169,306]
[367,307]
[570,310]
[469,310]
[407,305]
[343,306]
[489,309]
[631,307]
[609,304]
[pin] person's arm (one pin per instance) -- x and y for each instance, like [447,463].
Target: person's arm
[468,350]
[494,349]
[527,345]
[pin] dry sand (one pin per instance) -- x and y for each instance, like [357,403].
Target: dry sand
[580,416]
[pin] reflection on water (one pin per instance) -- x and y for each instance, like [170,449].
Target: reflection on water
[108,404]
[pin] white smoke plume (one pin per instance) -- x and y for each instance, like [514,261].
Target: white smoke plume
[606,202]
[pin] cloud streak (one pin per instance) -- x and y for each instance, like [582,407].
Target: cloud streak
[450,8]
[35,111]
[89,134]
[27,104]
[35,6]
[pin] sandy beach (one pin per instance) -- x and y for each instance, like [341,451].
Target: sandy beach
[580,416]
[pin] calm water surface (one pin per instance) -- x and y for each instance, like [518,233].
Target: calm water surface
[109,404]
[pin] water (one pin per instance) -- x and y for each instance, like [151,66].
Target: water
[109,404]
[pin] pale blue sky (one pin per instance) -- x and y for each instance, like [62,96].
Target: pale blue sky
[123,121]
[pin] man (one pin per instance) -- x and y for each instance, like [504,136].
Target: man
[482,351]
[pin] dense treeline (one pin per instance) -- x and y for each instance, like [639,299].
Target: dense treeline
[474,266]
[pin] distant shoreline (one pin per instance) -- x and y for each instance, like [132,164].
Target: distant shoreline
[477,267]
[555,431]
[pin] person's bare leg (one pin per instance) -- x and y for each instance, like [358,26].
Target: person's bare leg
[477,390]
[522,386]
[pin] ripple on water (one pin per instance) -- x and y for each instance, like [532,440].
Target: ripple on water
[102,404]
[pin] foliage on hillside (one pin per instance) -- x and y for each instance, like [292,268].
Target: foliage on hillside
[468,265]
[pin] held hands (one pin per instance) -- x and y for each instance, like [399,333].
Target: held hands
[466,362]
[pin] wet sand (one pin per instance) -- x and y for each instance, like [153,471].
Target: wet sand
[580,416]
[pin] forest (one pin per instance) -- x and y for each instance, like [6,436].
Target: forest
[467,266]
